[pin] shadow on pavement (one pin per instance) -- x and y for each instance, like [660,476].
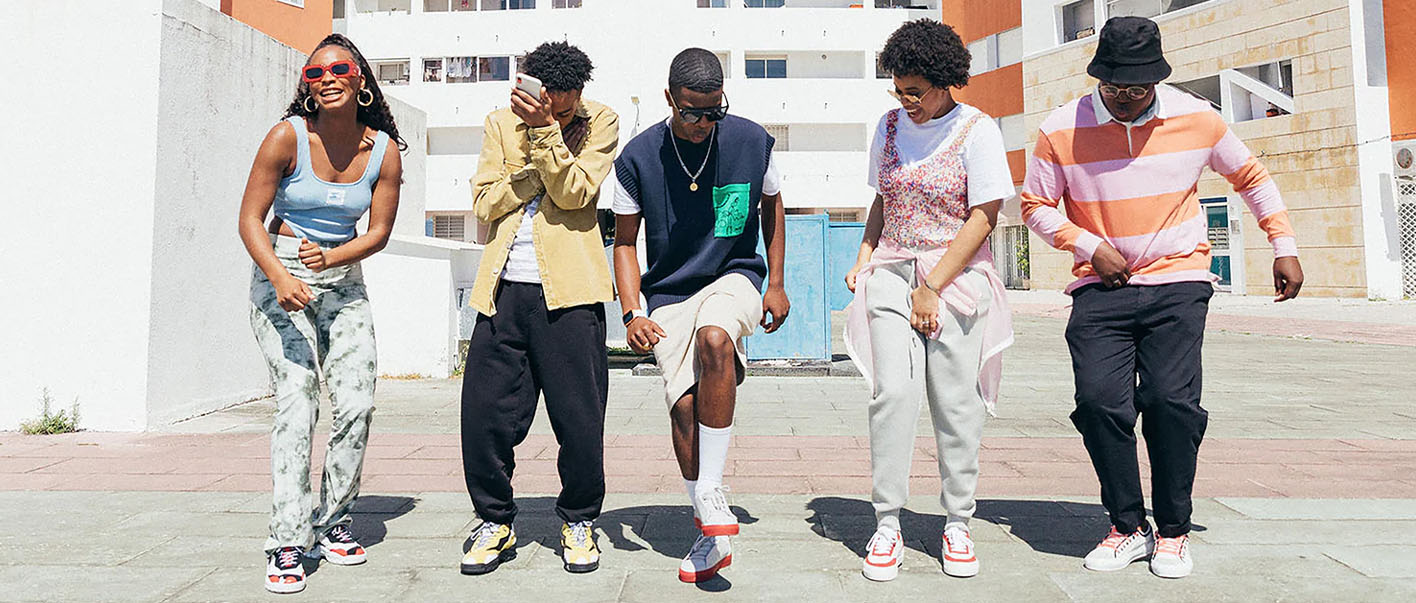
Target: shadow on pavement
[1047,526]
[666,529]
[370,513]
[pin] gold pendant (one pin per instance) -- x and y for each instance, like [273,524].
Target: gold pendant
[693,187]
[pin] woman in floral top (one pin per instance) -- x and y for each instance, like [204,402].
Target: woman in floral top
[929,320]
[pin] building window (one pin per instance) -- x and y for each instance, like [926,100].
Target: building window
[494,69]
[781,134]
[1146,8]
[294,3]
[450,226]
[1078,20]
[432,70]
[566,4]
[880,72]
[1247,93]
[461,70]
[393,73]
[338,7]
[383,6]
[765,3]
[712,3]
[508,4]
[764,67]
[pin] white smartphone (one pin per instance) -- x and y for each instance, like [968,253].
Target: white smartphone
[529,85]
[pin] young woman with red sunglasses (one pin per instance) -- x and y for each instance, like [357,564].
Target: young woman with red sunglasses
[318,172]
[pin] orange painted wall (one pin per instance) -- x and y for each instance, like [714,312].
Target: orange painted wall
[299,28]
[1400,18]
[975,19]
[998,93]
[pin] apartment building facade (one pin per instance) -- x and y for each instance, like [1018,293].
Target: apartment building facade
[299,24]
[1319,94]
[806,69]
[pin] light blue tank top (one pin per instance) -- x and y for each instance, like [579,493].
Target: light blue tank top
[325,212]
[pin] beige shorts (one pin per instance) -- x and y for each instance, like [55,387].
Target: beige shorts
[730,303]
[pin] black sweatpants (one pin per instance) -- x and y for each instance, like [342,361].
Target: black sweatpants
[515,356]
[1154,333]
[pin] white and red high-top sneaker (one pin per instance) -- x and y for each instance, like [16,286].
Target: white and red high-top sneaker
[338,546]
[957,549]
[885,555]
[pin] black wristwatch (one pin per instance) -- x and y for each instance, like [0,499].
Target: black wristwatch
[633,314]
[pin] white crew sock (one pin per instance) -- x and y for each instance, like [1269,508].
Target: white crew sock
[712,454]
[692,486]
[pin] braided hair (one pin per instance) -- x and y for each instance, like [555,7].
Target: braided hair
[377,115]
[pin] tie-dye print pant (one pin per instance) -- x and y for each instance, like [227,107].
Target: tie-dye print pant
[333,335]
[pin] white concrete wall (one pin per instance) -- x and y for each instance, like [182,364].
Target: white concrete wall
[132,283]
[412,287]
[75,262]
[1381,225]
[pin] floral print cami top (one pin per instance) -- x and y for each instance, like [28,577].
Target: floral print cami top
[925,205]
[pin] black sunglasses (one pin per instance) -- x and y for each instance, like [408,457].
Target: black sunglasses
[693,115]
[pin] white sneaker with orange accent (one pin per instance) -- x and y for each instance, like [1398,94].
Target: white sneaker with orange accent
[339,547]
[1118,550]
[884,555]
[957,549]
[707,557]
[1172,557]
[711,512]
[284,574]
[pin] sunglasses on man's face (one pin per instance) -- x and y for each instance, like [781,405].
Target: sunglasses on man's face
[693,115]
[315,73]
[1134,92]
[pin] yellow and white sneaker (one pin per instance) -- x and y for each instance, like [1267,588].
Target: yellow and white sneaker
[492,544]
[578,549]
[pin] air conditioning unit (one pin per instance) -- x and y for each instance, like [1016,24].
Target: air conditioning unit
[1404,159]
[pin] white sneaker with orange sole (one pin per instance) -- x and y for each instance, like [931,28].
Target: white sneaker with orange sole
[707,557]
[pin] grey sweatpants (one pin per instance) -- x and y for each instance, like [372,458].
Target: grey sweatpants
[910,369]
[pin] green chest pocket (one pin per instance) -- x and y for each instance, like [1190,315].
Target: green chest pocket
[730,206]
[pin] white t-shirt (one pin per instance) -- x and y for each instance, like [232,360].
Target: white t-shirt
[625,205]
[985,157]
[521,266]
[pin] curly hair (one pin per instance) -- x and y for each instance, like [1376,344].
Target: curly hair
[697,69]
[377,115]
[929,49]
[560,66]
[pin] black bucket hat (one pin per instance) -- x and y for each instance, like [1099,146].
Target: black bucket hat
[1128,52]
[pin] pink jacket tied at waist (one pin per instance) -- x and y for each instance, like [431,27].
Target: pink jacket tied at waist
[958,297]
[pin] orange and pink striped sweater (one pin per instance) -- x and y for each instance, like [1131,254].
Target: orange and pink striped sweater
[1135,187]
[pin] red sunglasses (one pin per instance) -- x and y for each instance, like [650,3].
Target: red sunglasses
[315,73]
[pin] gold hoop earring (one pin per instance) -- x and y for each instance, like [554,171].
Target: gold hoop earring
[306,105]
[360,97]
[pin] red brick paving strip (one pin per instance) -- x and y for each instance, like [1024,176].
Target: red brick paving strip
[758,464]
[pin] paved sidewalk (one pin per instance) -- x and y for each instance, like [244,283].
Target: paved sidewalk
[1306,492]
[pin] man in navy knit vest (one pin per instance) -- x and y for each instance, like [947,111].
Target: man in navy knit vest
[702,183]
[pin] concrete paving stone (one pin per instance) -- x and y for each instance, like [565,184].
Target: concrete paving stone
[1322,509]
[516,581]
[44,549]
[1377,561]
[648,586]
[1306,532]
[328,583]
[174,523]
[98,583]
[930,583]
[245,551]
[415,525]
[1137,584]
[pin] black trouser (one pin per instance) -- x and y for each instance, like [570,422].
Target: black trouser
[1154,332]
[516,355]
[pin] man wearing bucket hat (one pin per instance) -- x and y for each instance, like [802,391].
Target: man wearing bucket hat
[1124,162]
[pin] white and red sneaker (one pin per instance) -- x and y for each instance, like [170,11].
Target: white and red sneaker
[1172,557]
[284,574]
[338,546]
[957,549]
[884,555]
[711,512]
[1118,550]
[707,557]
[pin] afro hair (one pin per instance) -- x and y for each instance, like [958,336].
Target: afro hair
[929,49]
[560,66]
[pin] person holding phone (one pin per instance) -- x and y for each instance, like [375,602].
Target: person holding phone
[701,183]
[321,169]
[539,293]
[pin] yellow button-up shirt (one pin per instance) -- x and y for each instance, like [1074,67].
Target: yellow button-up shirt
[518,163]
